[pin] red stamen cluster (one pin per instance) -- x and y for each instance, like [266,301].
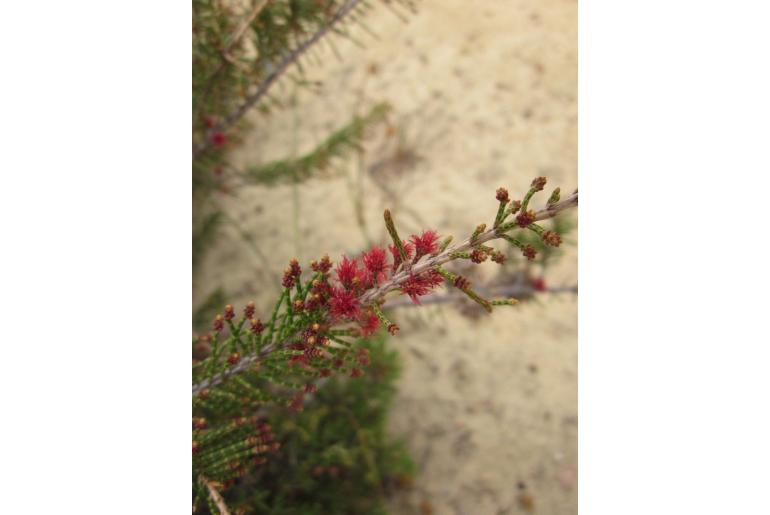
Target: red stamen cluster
[343,304]
[375,262]
[369,323]
[347,272]
[425,244]
[538,284]
[418,285]
[218,138]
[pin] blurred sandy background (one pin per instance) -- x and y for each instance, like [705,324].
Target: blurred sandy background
[484,95]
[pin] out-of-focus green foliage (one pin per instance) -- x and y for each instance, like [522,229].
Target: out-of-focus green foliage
[335,456]
[339,145]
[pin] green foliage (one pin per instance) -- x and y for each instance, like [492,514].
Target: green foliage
[338,145]
[205,230]
[335,456]
[228,61]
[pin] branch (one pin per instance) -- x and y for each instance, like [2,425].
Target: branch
[510,290]
[245,25]
[215,496]
[375,295]
[278,70]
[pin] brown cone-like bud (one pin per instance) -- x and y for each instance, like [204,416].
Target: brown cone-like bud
[538,183]
[551,238]
[502,195]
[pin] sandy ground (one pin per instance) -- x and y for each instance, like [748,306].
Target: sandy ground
[483,97]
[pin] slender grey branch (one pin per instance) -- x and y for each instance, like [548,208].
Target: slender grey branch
[277,70]
[510,290]
[215,496]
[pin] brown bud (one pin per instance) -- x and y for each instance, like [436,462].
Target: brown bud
[526,218]
[219,323]
[256,326]
[502,195]
[529,252]
[551,238]
[538,183]
[461,282]
[478,256]
[249,310]
[498,257]
[199,423]
[233,358]
[229,312]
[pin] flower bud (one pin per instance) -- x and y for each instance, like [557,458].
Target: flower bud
[538,183]
[502,195]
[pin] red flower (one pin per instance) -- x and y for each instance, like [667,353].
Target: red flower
[369,324]
[425,244]
[408,248]
[538,284]
[416,286]
[343,304]
[218,138]
[347,271]
[376,263]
